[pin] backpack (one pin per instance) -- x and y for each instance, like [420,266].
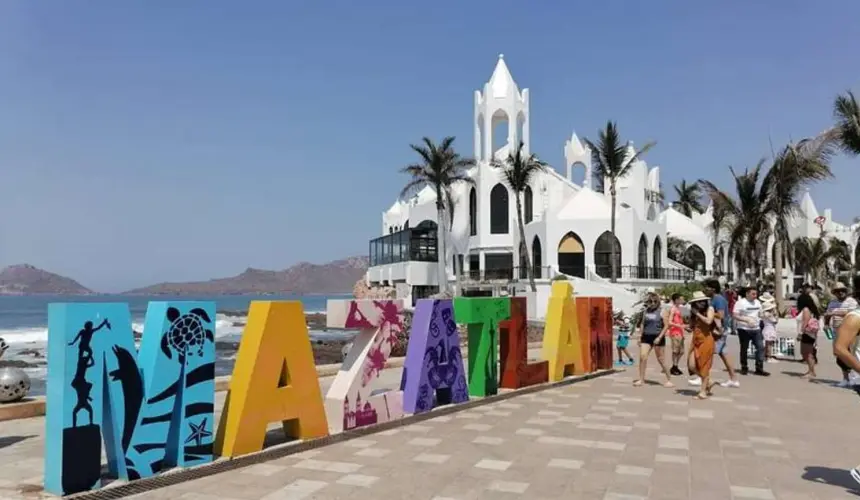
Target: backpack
[812,327]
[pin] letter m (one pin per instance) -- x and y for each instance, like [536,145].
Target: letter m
[153,408]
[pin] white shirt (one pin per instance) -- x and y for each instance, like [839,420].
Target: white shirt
[748,309]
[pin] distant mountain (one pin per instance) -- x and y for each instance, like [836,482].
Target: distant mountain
[24,279]
[334,277]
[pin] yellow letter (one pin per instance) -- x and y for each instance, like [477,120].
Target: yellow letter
[274,380]
[561,345]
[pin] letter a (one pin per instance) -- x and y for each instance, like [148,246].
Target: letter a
[351,401]
[482,315]
[562,347]
[274,380]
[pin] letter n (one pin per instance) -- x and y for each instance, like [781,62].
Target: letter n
[482,316]
[153,409]
[516,370]
[433,371]
[351,401]
[274,380]
[562,347]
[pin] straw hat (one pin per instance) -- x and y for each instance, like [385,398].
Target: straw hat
[768,306]
[697,296]
[839,286]
[767,297]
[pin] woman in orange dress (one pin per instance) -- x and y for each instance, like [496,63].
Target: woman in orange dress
[702,324]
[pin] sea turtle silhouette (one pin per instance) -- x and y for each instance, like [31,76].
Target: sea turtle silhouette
[186,332]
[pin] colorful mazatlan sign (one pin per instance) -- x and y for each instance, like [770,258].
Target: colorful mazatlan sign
[153,408]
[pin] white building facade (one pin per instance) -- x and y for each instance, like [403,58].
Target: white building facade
[567,223]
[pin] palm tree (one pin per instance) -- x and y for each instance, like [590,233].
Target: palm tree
[611,160]
[440,167]
[847,114]
[821,257]
[794,168]
[676,247]
[518,171]
[688,198]
[744,218]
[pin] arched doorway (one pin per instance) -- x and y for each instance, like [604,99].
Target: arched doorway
[528,202]
[537,258]
[473,212]
[657,258]
[642,264]
[499,219]
[694,258]
[603,255]
[571,255]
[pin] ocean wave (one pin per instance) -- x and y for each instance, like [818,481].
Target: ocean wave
[27,336]
[225,327]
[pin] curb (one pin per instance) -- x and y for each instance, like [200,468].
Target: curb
[35,406]
[141,486]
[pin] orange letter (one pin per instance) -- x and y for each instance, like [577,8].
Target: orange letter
[274,380]
[561,345]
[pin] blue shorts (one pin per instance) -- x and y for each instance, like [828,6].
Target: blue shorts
[622,341]
[720,344]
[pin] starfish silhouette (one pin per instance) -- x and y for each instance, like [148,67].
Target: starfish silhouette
[198,432]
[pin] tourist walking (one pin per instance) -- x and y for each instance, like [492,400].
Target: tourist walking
[721,335]
[622,340]
[747,317]
[769,320]
[808,327]
[702,324]
[845,345]
[652,336]
[837,309]
[675,332]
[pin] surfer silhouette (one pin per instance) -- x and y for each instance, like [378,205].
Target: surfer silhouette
[86,338]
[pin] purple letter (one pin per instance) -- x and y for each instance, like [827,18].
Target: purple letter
[434,363]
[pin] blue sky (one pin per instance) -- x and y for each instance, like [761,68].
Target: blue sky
[162,140]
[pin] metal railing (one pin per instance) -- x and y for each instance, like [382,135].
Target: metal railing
[510,274]
[658,273]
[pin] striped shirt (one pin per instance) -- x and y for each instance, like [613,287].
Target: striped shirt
[837,310]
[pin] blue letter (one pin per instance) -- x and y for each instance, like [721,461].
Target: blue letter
[153,409]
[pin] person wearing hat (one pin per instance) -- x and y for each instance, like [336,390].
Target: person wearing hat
[841,304]
[703,323]
[769,320]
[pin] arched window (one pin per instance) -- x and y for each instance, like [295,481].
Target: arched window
[473,212]
[603,254]
[537,258]
[499,219]
[528,201]
[694,258]
[406,225]
[657,258]
[642,264]
[571,255]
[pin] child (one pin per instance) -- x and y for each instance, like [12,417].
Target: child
[768,331]
[622,341]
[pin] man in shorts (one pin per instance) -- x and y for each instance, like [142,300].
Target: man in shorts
[721,309]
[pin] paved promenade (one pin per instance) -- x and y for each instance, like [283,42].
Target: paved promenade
[774,438]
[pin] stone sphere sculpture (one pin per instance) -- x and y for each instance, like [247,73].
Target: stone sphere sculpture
[14,384]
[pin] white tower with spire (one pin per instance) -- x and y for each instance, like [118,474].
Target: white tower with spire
[500,101]
[575,152]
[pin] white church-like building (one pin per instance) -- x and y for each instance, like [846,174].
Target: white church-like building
[567,224]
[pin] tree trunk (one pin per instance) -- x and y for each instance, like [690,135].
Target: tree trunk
[524,246]
[614,250]
[777,276]
[441,244]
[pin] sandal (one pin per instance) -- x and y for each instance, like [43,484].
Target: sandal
[637,383]
[700,397]
[668,384]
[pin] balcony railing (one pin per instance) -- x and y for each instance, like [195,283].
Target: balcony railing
[508,275]
[657,273]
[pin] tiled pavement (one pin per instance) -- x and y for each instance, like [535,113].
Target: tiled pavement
[775,438]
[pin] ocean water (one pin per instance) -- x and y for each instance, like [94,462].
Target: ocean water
[24,321]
